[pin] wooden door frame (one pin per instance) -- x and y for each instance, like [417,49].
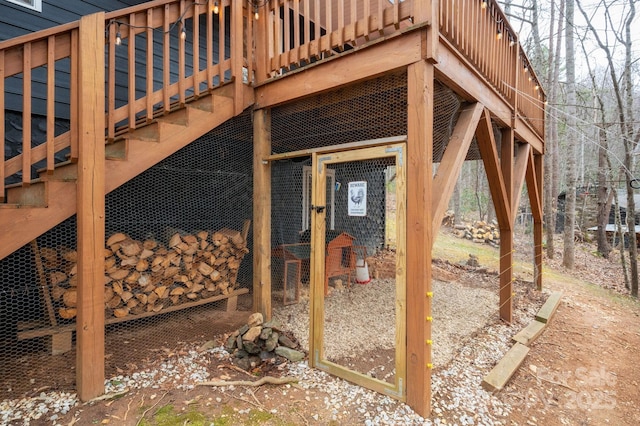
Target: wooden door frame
[396,390]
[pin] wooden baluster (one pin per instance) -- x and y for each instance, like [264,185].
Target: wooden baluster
[287,36]
[296,32]
[340,41]
[396,13]
[111,81]
[26,114]
[209,37]
[166,60]
[329,28]
[278,40]
[150,73]
[367,19]
[221,42]
[195,73]
[350,31]
[131,60]
[75,130]
[182,28]
[307,31]
[51,102]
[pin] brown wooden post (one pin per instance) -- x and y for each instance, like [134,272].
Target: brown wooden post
[262,212]
[419,226]
[506,229]
[260,40]
[91,210]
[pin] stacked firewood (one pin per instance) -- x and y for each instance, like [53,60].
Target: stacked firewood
[147,276]
[479,232]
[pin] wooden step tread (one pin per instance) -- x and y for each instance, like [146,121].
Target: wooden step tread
[508,365]
[547,310]
[530,333]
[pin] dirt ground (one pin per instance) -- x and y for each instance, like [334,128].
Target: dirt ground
[581,371]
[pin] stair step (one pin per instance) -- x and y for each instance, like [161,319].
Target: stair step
[204,104]
[33,195]
[117,150]
[179,117]
[64,172]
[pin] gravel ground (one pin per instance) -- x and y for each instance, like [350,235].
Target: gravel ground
[466,324]
[362,318]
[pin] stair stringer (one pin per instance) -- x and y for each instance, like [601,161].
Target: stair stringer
[20,225]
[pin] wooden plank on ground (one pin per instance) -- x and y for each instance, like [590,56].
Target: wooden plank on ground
[530,333]
[547,310]
[508,365]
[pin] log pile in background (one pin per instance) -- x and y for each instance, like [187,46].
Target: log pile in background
[479,232]
[147,276]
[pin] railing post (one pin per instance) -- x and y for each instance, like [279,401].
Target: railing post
[427,11]
[91,208]
[260,41]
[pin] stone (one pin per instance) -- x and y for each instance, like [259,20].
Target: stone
[254,361]
[290,354]
[255,319]
[265,333]
[243,329]
[265,355]
[243,363]
[285,341]
[252,334]
[271,343]
[231,343]
[239,342]
[251,347]
[274,324]
[241,354]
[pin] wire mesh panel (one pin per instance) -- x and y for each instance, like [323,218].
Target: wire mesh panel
[178,248]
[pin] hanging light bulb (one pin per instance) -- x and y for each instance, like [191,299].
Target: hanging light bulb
[512,42]
[118,36]
[536,88]
[183,32]
[484,4]
[216,10]
[499,35]
[526,70]
[256,14]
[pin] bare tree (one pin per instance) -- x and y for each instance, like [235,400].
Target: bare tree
[568,255]
[623,94]
[551,164]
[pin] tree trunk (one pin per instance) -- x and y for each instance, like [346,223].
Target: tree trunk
[570,204]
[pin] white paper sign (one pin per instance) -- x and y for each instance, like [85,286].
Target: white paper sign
[357,204]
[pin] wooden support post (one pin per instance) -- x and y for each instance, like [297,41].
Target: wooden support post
[506,229]
[91,210]
[419,226]
[260,37]
[262,213]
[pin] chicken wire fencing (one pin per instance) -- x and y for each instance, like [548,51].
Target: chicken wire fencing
[178,254]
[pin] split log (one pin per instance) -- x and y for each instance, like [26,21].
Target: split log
[147,276]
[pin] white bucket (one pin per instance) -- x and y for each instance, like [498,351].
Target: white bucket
[362,272]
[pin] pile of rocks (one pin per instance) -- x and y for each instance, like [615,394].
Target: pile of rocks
[258,341]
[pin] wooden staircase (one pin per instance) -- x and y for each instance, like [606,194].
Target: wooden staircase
[30,210]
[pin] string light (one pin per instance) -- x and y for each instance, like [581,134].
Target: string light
[216,10]
[256,14]
[183,31]
[484,4]
[499,34]
[118,36]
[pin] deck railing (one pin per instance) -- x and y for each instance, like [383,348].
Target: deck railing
[480,32]
[163,53]
[159,55]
